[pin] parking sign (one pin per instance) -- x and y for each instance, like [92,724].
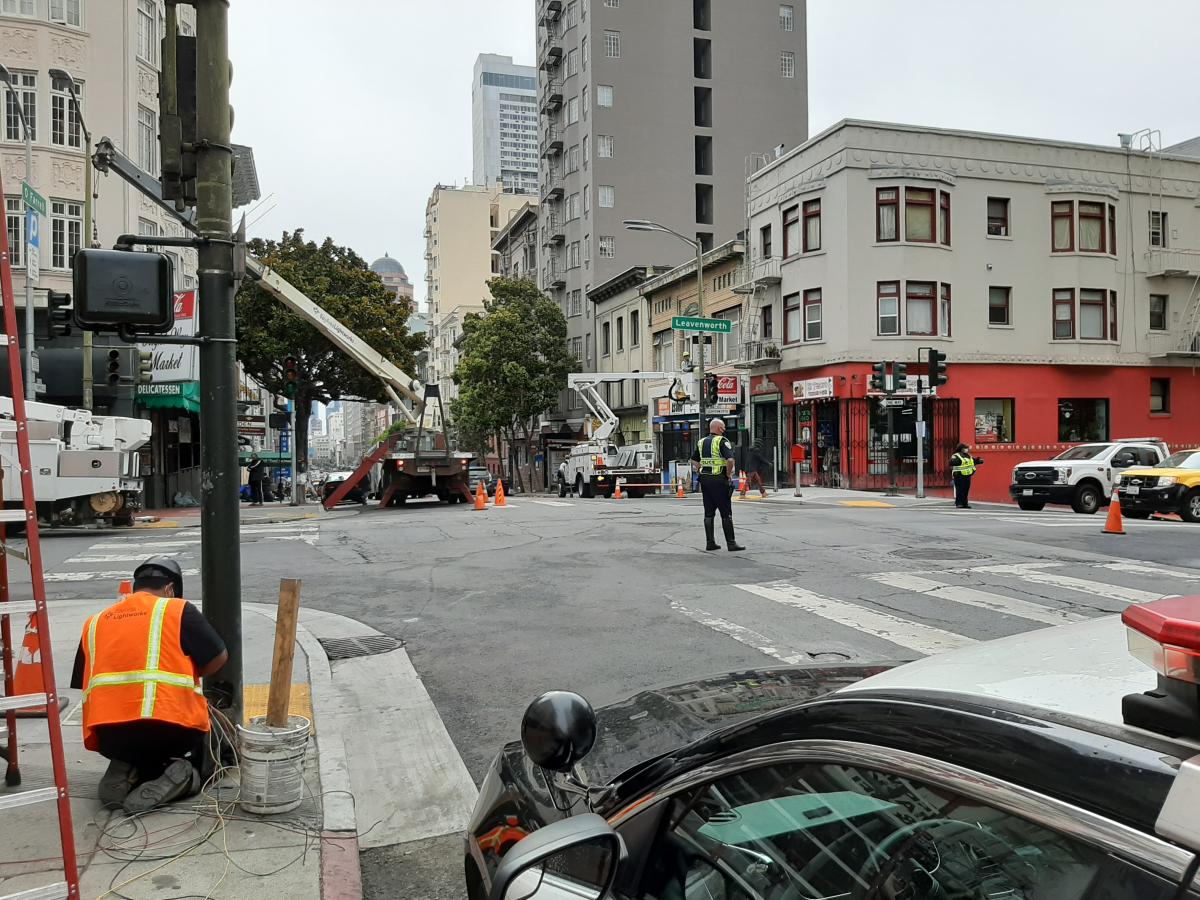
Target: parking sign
[35,206]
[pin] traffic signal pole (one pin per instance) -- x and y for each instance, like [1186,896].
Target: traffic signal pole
[220,481]
[920,442]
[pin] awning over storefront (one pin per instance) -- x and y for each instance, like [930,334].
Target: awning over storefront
[183,395]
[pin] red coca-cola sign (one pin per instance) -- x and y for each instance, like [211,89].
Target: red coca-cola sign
[185,304]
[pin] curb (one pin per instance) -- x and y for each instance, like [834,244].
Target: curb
[260,520]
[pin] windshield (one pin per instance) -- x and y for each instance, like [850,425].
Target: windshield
[1087,451]
[1186,459]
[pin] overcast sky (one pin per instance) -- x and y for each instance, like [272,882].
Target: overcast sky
[356,110]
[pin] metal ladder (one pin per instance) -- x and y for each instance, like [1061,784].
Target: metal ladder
[35,608]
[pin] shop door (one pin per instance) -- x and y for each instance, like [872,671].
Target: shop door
[766,429]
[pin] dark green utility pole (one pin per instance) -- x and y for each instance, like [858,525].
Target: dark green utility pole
[219,476]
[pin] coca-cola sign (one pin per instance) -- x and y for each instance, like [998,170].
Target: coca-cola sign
[177,362]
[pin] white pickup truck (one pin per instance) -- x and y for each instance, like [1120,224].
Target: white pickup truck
[1082,477]
[593,468]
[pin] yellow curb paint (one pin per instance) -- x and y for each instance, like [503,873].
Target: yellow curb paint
[254,701]
[875,504]
[166,523]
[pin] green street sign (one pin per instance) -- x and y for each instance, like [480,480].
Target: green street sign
[33,200]
[688,323]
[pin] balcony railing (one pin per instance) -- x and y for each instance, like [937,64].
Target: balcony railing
[552,229]
[553,275]
[552,183]
[552,97]
[758,354]
[552,141]
[759,272]
[1166,263]
[549,11]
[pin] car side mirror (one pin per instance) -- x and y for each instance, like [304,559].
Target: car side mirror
[575,857]
[558,730]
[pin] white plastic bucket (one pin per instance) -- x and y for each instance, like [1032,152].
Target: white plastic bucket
[272,763]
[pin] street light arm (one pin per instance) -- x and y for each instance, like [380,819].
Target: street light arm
[647,225]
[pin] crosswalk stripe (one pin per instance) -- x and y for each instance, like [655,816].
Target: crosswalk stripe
[551,503]
[902,632]
[977,598]
[133,557]
[145,544]
[90,576]
[740,633]
[1136,569]
[1083,585]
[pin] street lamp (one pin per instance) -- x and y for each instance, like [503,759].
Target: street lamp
[6,77]
[647,225]
[63,78]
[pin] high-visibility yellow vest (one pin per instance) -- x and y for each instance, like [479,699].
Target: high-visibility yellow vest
[966,464]
[711,460]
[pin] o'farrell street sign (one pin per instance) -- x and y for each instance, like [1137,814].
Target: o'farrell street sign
[687,323]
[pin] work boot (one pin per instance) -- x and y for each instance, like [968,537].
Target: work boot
[709,526]
[730,542]
[179,780]
[116,783]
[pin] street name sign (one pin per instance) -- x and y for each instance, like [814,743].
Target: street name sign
[35,206]
[32,198]
[690,323]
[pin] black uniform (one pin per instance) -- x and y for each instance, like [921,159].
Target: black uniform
[715,486]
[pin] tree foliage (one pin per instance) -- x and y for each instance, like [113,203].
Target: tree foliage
[339,281]
[514,363]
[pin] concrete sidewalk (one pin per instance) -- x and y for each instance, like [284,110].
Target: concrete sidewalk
[379,754]
[271,513]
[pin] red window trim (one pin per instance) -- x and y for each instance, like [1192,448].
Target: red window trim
[766,243]
[933,214]
[807,213]
[879,297]
[1112,230]
[791,216]
[1103,236]
[810,301]
[790,302]
[933,308]
[1103,304]
[1054,301]
[1069,215]
[944,287]
[944,203]
[1112,315]
[767,320]
[879,204]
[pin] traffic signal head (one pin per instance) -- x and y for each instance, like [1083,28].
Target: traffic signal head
[145,371]
[900,376]
[937,368]
[114,367]
[710,389]
[879,376]
[291,377]
[58,314]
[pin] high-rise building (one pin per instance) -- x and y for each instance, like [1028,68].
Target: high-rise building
[504,126]
[656,111]
[392,274]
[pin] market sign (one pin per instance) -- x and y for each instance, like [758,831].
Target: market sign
[177,362]
[812,389]
[170,395]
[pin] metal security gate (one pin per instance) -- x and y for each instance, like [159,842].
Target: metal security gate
[865,442]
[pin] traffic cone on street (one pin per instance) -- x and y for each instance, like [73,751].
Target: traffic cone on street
[618,495]
[679,494]
[480,496]
[500,501]
[124,589]
[28,677]
[1113,524]
[742,483]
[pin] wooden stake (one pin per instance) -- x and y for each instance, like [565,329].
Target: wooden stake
[285,650]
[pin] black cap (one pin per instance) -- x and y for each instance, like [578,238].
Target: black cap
[163,567]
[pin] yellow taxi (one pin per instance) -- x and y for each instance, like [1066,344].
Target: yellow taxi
[1172,486]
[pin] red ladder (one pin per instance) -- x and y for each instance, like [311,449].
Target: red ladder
[11,703]
[357,475]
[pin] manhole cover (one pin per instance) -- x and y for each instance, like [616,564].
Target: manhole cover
[937,553]
[348,648]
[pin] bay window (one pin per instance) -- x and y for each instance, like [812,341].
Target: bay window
[1091,227]
[791,318]
[887,214]
[887,298]
[918,215]
[791,231]
[1062,215]
[1092,314]
[812,225]
[1064,314]
[813,315]
[944,217]
[944,312]
[918,307]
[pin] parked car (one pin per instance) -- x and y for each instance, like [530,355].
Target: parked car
[1172,486]
[357,494]
[479,474]
[1083,476]
[1028,767]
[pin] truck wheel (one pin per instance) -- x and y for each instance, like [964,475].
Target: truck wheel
[1087,499]
[1189,511]
[1031,505]
[583,488]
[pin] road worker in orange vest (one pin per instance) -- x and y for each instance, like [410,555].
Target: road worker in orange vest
[139,666]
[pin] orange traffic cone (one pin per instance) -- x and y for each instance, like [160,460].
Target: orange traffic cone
[1114,525]
[28,677]
[618,495]
[500,501]
[480,496]
[679,493]
[742,484]
[125,589]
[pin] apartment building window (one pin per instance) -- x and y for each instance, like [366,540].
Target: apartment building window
[26,8]
[787,63]
[1082,419]
[620,333]
[587,201]
[997,216]
[704,204]
[572,63]
[793,311]
[704,163]
[635,334]
[608,246]
[604,146]
[768,323]
[612,44]
[577,349]
[918,215]
[887,214]
[24,86]
[14,220]
[575,304]
[944,217]
[791,231]
[999,305]
[1091,227]
[663,351]
[571,19]
[701,15]
[583,52]
[1064,314]
[607,196]
[587,144]
[604,95]
[813,315]
[572,110]
[1158,226]
[787,18]
[147,19]
[702,57]
[605,339]
[706,240]
[919,314]
[812,225]
[147,140]
[66,232]
[1158,310]
[584,95]
[1160,395]
[65,130]
[887,300]
[573,255]
[587,250]
[703,107]
[612,4]
[65,12]
[1093,315]
[764,241]
[1062,215]
[1112,315]
[1112,229]
[944,311]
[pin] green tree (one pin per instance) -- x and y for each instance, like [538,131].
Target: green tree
[338,280]
[513,366]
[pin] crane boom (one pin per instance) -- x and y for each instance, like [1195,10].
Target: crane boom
[585,383]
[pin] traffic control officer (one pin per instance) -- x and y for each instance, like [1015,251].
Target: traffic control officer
[962,466]
[139,665]
[715,457]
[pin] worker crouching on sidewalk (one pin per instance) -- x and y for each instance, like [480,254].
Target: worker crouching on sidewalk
[715,456]
[139,665]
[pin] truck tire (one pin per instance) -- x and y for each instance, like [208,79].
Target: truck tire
[1031,505]
[583,488]
[1189,510]
[1136,514]
[1087,498]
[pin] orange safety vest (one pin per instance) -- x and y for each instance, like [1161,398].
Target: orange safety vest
[135,668]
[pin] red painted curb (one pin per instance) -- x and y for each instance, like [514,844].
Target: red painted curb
[341,878]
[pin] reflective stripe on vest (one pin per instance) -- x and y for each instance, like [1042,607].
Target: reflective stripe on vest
[966,464]
[711,460]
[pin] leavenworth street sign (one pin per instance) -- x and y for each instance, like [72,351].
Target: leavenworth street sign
[688,323]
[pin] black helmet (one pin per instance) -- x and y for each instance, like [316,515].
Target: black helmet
[163,567]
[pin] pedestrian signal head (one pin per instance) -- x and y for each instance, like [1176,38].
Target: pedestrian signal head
[114,367]
[145,372]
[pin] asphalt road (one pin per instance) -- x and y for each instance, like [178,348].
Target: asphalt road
[609,597]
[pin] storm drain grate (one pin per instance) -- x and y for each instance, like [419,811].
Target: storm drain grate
[937,553]
[349,648]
